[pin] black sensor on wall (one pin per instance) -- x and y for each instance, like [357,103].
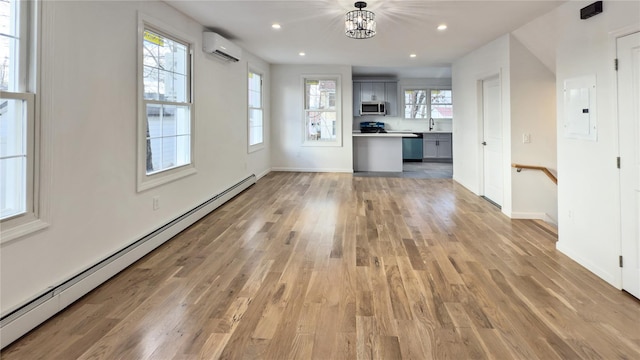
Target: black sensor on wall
[591,10]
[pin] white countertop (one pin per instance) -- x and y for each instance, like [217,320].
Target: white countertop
[402,132]
[418,132]
[384,134]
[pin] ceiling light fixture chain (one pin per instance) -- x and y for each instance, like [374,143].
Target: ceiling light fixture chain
[360,24]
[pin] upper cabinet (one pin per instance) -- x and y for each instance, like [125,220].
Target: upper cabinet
[368,90]
[357,86]
[372,91]
[391,97]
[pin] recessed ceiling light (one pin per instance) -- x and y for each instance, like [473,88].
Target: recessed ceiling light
[442,27]
[301,53]
[413,55]
[276,26]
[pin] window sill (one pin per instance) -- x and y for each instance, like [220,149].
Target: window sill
[314,143]
[148,182]
[256,147]
[18,231]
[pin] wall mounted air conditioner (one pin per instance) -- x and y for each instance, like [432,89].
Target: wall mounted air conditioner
[213,43]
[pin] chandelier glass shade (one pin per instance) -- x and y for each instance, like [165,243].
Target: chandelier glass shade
[360,24]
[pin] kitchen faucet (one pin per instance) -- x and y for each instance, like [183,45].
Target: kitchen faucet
[432,124]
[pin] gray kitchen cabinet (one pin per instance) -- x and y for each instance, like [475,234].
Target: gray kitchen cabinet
[437,146]
[430,150]
[372,91]
[391,98]
[386,91]
[357,86]
[445,149]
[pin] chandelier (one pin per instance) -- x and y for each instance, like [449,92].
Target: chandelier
[360,24]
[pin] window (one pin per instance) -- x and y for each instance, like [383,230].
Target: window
[256,122]
[165,151]
[18,139]
[321,111]
[415,104]
[425,104]
[441,107]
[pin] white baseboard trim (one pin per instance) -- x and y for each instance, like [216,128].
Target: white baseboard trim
[263,174]
[56,299]
[327,170]
[598,271]
[534,216]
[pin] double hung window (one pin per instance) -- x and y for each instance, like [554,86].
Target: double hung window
[441,104]
[416,105]
[256,120]
[18,138]
[321,110]
[166,125]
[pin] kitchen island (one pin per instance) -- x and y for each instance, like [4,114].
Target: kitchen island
[378,151]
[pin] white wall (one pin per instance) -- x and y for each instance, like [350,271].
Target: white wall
[537,36]
[588,188]
[528,106]
[89,94]
[467,74]
[533,112]
[288,151]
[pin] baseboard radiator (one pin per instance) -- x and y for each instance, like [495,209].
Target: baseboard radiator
[55,299]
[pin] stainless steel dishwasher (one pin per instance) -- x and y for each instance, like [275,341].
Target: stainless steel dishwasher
[412,148]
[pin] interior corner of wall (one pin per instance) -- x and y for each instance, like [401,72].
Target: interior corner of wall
[549,219]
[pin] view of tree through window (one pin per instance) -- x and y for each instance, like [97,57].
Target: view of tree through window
[441,107]
[320,109]
[425,104]
[166,71]
[415,104]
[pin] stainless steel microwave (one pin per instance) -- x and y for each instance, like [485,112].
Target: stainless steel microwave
[372,108]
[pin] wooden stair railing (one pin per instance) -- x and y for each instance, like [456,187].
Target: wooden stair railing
[519,168]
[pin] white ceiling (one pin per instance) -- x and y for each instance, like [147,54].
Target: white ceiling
[403,27]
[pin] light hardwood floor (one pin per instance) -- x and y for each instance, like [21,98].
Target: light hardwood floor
[331,266]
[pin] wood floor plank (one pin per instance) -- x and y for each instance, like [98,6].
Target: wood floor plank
[332,266]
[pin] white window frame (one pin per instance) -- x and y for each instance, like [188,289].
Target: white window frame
[322,143]
[34,218]
[259,145]
[147,181]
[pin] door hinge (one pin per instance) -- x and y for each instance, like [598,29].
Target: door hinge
[618,162]
[620,260]
[615,64]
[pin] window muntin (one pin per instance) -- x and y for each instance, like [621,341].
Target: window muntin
[166,77]
[256,110]
[321,112]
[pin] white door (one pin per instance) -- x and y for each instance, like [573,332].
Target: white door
[628,48]
[492,140]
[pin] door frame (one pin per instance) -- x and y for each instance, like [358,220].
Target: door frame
[613,54]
